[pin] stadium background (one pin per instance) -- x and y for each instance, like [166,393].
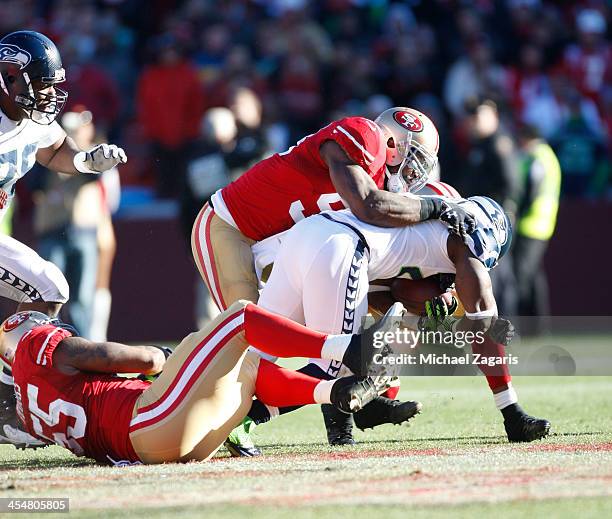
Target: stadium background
[150,71]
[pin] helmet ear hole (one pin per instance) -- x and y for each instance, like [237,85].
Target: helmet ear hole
[390,143]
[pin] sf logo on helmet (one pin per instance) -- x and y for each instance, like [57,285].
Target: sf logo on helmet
[15,320]
[408,121]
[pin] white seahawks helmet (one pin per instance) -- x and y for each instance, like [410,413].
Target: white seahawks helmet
[493,234]
[412,144]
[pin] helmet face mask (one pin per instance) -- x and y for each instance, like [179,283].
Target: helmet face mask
[40,102]
[30,68]
[412,146]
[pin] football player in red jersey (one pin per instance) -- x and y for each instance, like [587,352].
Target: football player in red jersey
[67,391]
[350,162]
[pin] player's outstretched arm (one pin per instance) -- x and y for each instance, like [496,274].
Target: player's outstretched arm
[383,208]
[77,354]
[65,157]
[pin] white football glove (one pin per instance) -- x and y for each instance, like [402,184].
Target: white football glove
[99,158]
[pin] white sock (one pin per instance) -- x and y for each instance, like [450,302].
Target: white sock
[322,392]
[100,315]
[506,397]
[274,412]
[335,346]
[5,378]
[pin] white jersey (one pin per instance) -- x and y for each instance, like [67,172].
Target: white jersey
[415,251]
[19,143]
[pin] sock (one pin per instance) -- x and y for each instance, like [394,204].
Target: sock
[280,387]
[498,375]
[6,376]
[100,315]
[335,346]
[263,413]
[394,390]
[276,335]
[505,398]
[322,391]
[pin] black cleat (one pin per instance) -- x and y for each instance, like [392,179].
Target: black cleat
[521,427]
[350,394]
[383,410]
[339,426]
[359,356]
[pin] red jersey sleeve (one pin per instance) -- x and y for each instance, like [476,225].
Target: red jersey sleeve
[362,140]
[41,343]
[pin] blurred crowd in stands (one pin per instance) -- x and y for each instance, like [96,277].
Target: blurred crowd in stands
[150,70]
[198,90]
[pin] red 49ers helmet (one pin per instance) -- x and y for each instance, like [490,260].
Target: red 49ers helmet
[433,188]
[412,147]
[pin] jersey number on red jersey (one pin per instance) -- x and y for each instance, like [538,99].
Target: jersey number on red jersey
[298,212]
[57,417]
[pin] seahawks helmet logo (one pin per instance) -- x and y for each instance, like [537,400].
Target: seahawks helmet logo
[500,223]
[12,54]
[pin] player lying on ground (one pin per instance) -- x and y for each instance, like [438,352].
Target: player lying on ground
[324,264]
[30,69]
[352,162]
[67,391]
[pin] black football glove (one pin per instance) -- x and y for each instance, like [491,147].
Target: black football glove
[501,331]
[459,221]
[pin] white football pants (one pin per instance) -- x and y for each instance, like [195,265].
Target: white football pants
[320,279]
[26,278]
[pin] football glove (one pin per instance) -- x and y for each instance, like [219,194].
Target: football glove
[501,331]
[436,307]
[459,221]
[100,158]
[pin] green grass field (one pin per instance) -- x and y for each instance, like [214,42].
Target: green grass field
[452,461]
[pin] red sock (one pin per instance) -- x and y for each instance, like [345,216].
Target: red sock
[279,336]
[498,375]
[282,387]
[392,392]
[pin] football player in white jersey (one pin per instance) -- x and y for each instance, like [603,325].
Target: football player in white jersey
[30,100]
[323,267]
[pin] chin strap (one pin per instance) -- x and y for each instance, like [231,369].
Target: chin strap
[396,183]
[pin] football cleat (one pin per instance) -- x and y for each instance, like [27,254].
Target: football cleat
[383,410]
[359,356]
[350,394]
[525,428]
[239,442]
[10,431]
[339,426]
